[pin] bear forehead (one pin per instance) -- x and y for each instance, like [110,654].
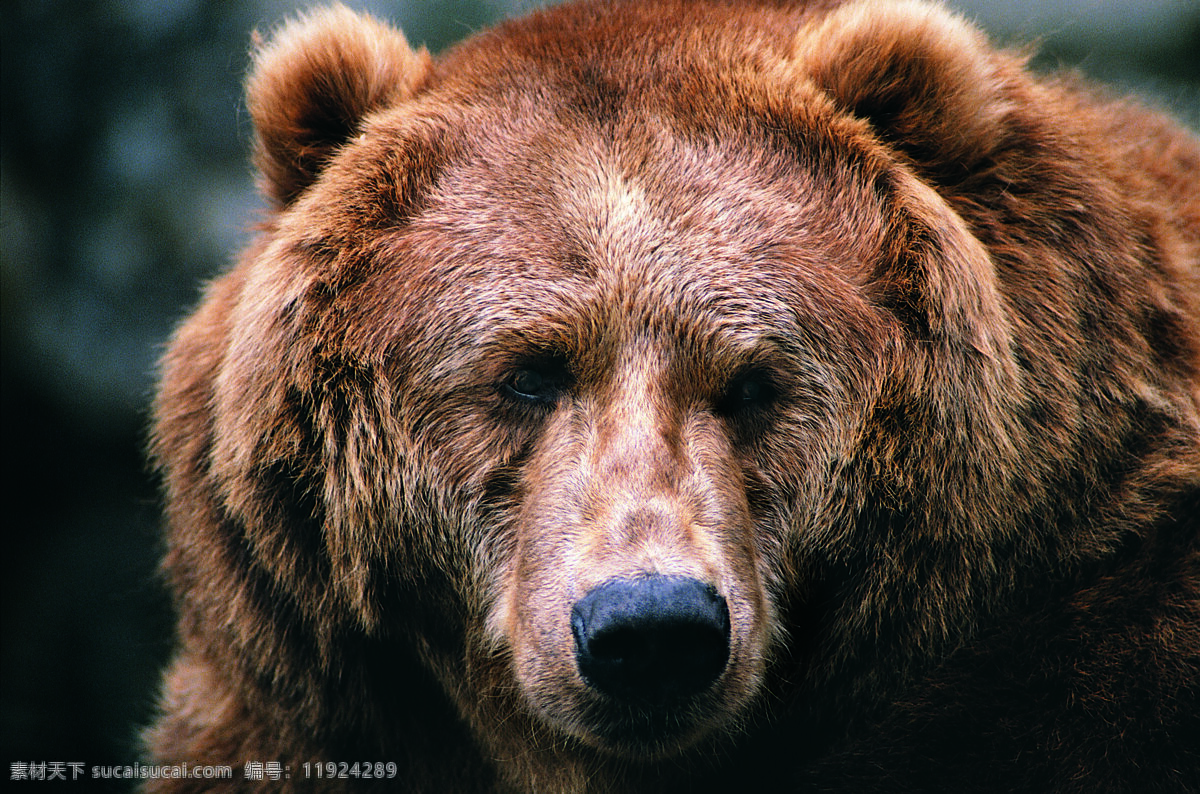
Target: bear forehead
[547,222]
[570,203]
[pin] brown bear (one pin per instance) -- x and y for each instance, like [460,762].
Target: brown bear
[691,396]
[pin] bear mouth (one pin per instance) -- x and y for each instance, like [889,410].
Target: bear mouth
[650,731]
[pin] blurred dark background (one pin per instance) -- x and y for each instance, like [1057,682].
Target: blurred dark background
[124,186]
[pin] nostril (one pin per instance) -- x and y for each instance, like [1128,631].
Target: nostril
[652,639]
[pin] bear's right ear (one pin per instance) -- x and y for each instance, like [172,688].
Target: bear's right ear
[311,85]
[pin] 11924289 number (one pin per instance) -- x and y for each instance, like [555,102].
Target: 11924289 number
[365,770]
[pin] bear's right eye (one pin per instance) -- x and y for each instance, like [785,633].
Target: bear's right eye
[539,383]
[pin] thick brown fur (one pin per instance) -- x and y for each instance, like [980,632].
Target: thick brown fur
[833,307]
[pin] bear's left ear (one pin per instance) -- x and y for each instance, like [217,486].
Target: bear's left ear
[311,85]
[927,81]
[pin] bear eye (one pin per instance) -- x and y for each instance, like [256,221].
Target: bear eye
[748,392]
[539,383]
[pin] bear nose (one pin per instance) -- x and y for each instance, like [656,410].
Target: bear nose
[651,639]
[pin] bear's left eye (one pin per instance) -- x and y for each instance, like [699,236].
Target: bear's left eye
[747,392]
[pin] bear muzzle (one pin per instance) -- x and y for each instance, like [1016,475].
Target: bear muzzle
[651,640]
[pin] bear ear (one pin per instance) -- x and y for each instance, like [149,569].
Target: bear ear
[311,85]
[928,82]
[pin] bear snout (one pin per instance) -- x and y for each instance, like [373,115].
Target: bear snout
[652,639]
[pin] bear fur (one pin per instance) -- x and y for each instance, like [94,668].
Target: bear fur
[887,345]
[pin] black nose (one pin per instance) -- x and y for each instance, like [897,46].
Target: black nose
[651,639]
